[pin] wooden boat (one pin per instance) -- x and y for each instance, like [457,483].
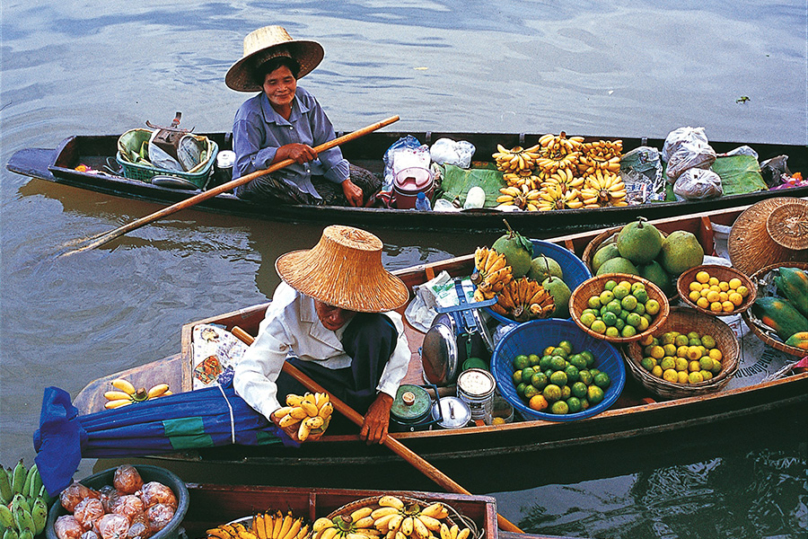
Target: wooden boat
[635,414]
[59,165]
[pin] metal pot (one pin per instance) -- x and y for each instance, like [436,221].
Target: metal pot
[451,413]
[411,409]
[449,342]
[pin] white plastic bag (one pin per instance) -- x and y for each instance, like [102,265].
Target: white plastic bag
[448,152]
[686,148]
[698,184]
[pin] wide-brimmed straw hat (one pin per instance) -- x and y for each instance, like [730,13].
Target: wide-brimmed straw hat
[771,231]
[344,269]
[267,43]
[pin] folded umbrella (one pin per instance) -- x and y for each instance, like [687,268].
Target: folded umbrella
[209,417]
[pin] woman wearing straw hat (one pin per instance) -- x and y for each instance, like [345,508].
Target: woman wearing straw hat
[284,121]
[333,318]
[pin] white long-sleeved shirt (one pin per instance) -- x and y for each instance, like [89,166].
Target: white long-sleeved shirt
[291,328]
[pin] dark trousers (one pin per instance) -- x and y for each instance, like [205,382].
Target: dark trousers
[369,340]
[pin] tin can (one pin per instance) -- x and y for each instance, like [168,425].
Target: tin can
[476,388]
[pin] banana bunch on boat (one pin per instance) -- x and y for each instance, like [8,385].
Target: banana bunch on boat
[524,299]
[491,273]
[555,196]
[305,415]
[124,393]
[392,519]
[264,526]
[523,197]
[523,177]
[559,152]
[604,188]
[517,158]
[23,502]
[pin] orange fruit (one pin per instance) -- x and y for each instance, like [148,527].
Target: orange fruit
[538,403]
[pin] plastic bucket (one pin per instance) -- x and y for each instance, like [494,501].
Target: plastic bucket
[476,388]
[408,183]
[148,474]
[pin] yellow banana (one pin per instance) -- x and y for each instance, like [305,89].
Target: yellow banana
[293,400]
[218,533]
[124,385]
[479,255]
[303,533]
[326,410]
[117,395]
[361,513]
[464,533]
[431,523]
[247,535]
[419,528]
[298,412]
[369,532]
[328,533]
[444,531]
[158,391]
[321,524]
[302,433]
[288,421]
[381,522]
[294,529]
[498,264]
[258,526]
[110,405]
[396,522]
[309,407]
[384,511]
[407,526]
[283,410]
[363,522]
[453,531]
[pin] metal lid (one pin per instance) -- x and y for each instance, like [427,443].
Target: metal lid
[439,354]
[412,404]
[476,382]
[454,411]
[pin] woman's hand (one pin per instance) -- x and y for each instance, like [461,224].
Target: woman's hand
[300,153]
[353,193]
[377,420]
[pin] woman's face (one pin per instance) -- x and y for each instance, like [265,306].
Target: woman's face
[280,86]
[332,317]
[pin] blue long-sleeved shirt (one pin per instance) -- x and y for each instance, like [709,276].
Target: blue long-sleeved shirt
[258,132]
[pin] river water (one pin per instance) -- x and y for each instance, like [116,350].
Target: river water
[628,68]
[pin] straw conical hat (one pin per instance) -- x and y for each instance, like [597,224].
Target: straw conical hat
[751,244]
[267,43]
[344,269]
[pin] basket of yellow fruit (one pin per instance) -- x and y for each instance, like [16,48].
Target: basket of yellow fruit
[618,307]
[716,290]
[690,354]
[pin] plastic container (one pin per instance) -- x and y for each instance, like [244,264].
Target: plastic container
[408,183]
[533,337]
[148,474]
[422,203]
[574,269]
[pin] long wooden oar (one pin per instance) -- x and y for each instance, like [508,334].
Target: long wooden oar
[210,193]
[397,447]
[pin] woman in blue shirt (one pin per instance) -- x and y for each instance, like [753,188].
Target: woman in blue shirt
[284,121]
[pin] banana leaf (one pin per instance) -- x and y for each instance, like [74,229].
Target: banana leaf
[739,174]
[209,417]
[457,181]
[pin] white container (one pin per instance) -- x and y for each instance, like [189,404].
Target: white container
[476,387]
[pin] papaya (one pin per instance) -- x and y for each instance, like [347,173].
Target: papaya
[799,340]
[780,315]
[793,285]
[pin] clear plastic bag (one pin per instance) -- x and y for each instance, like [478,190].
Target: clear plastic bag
[112,526]
[129,506]
[448,152]
[127,480]
[74,493]
[698,184]
[88,511]
[686,148]
[159,516]
[67,527]
[154,493]
[406,152]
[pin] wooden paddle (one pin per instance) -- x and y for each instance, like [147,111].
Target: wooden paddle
[210,193]
[397,447]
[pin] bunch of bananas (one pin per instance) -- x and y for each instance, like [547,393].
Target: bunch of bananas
[522,197]
[517,158]
[554,197]
[524,299]
[311,412]
[518,179]
[603,188]
[23,502]
[393,519]
[559,152]
[125,393]
[264,526]
[491,273]
[563,179]
[603,150]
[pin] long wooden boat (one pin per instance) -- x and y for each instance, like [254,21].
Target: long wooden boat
[59,165]
[636,413]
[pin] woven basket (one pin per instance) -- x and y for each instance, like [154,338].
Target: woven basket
[373,501]
[579,301]
[685,320]
[750,245]
[788,225]
[722,273]
[762,331]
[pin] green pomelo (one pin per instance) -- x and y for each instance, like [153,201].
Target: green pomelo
[681,251]
[655,273]
[518,251]
[561,296]
[639,242]
[603,254]
[618,265]
[542,267]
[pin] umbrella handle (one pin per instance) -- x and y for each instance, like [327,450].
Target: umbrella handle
[397,447]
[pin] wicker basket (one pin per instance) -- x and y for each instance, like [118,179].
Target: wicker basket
[579,301]
[763,332]
[685,320]
[722,273]
[788,225]
[373,501]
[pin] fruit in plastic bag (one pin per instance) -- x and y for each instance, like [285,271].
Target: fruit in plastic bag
[127,479]
[698,184]
[67,527]
[112,526]
[159,516]
[154,493]
[74,493]
[87,511]
[129,506]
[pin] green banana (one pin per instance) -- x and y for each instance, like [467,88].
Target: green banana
[26,534]
[18,477]
[19,501]
[26,486]
[6,518]
[23,519]
[43,493]
[11,533]
[39,514]
[5,487]
[36,483]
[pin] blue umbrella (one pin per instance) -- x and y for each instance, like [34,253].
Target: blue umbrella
[209,417]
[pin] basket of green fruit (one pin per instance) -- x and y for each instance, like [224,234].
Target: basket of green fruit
[618,307]
[690,354]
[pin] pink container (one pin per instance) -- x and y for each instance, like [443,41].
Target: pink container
[408,183]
